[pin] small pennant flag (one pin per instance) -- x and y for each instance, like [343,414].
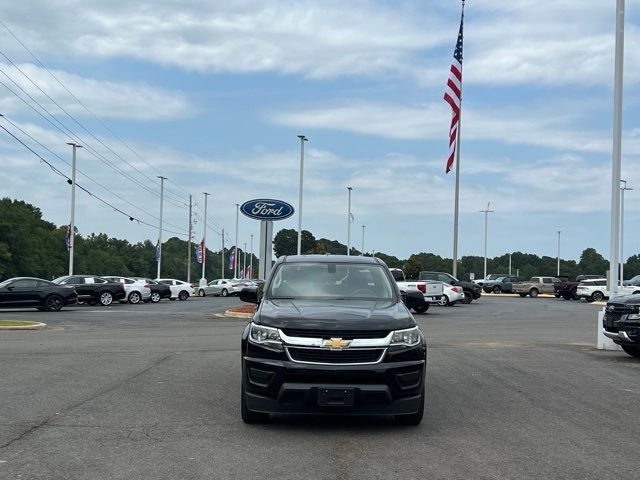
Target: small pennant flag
[158,251]
[67,238]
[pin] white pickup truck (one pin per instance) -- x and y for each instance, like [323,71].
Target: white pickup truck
[432,291]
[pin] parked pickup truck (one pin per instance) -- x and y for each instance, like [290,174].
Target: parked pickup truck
[567,289]
[432,291]
[621,323]
[536,286]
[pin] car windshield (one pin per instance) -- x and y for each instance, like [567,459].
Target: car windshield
[5,283]
[330,281]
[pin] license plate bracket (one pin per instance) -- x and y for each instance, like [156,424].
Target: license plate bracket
[338,397]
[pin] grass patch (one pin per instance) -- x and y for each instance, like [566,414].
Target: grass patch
[16,323]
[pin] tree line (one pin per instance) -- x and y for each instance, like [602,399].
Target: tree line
[524,264]
[32,246]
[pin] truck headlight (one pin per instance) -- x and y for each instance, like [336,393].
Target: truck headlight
[633,316]
[267,336]
[408,337]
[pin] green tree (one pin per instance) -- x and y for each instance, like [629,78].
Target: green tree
[412,269]
[592,263]
[286,242]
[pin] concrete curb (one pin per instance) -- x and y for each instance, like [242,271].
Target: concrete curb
[515,295]
[232,314]
[35,326]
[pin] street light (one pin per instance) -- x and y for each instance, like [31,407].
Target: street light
[349,223]
[623,189]
[486,235]
[558,272]
[302,140]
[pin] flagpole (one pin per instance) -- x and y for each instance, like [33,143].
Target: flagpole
[456,210]
[159,247]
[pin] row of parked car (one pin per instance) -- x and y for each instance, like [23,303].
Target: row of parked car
[105,290]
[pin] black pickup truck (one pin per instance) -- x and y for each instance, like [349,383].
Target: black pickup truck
[332,335]
[567,289]
[621,323]
[93,289]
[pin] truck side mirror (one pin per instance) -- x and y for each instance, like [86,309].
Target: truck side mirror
[248,295]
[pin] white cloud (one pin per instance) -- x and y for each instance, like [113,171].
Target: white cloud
[552,127]
[507,42]
[136,101]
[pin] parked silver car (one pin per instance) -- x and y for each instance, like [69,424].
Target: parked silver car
[223,287]
[136,290]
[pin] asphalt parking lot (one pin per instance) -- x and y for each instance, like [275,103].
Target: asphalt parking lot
[515,390]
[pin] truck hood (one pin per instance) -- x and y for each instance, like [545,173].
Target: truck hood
[334,314]
[633,299]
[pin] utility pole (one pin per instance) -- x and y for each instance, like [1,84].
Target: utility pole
[559,232]
[623,189]
[159,247]
[222,255]
[486,235]
[509,263]
[362,246]
[244,260]
[189,247]
[204,237]
[616,163]
[349,223]
[235,255]
[302,140]
[72,224]
[251,260]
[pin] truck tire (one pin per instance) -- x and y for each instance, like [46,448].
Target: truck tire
[533,292]
[497,289]
[421,309]
[412,419]
[249,416]
[631,350]
[468,297]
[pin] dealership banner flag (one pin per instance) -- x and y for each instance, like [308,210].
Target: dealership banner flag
[67,238]
[158,251]
[199,253]
[232,260]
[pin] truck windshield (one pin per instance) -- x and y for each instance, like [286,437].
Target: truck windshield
[332,281]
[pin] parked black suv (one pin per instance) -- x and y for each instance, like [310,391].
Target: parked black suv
[622,323]
[330,336]
[472,291]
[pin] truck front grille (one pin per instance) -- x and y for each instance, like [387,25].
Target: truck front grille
[339,357]
[326,334]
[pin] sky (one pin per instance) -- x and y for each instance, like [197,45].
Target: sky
[213,95]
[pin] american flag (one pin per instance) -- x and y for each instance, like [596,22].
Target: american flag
[453,95]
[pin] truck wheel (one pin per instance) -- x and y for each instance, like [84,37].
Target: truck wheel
[497,289]
[631,350]
[522,295]
[468,297]
[412,419]
[575,296]
[421,309]
[533,292]
[597,296]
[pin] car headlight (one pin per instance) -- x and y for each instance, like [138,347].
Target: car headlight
[267,336]
[408,337]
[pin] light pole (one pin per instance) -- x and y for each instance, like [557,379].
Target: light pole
[235,254]
[623,189]
[486,235]
[189,244]
[251,260]
[509,264]
[616,163]
[362,247]
[302,140]
[244,261]
[159,247]
[204,238]
[72,224]
[349,223]
[558,272]
[222,255]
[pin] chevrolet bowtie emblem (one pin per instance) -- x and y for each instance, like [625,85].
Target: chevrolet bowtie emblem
[336,343]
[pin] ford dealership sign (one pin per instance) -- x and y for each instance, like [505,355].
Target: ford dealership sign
[267,209]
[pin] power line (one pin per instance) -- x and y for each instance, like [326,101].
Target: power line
[72,117]
[33,55]
[58,172]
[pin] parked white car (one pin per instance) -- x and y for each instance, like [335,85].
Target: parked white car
[136,290]
[596,290]
[179,289]
[224,287]
[451,295]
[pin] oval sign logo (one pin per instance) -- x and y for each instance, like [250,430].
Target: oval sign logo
[267,209]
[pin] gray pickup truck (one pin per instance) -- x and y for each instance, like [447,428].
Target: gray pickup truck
[536,286]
